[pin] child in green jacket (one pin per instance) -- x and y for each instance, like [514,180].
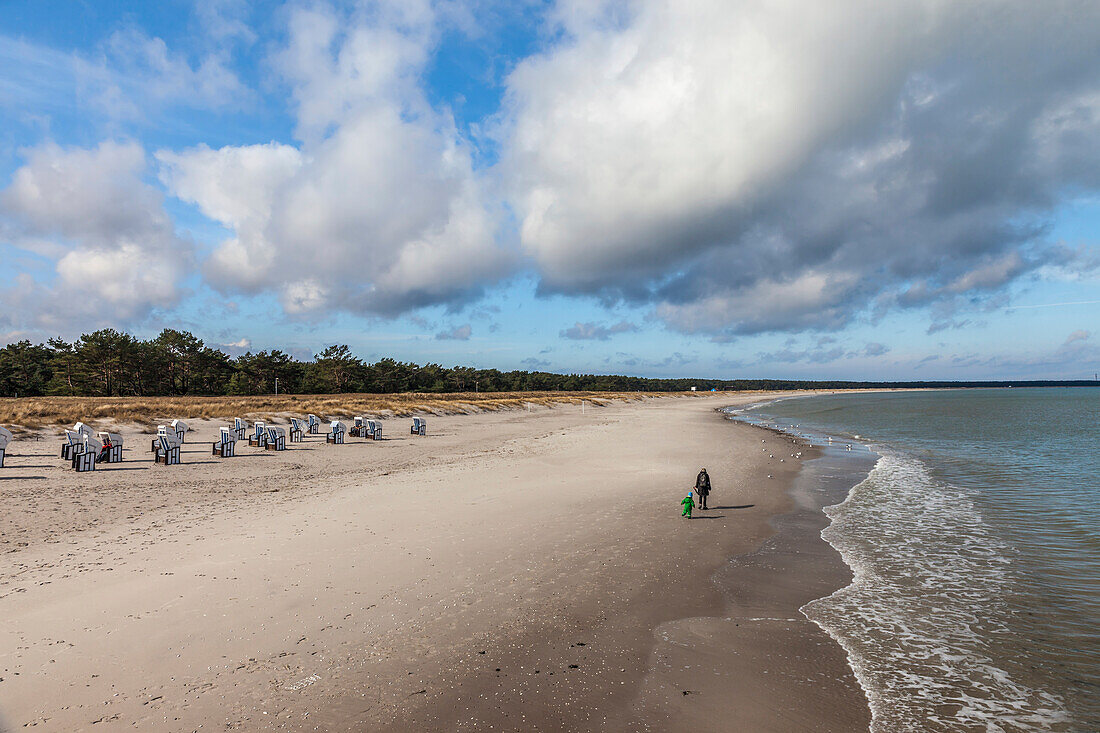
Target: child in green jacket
[688,503]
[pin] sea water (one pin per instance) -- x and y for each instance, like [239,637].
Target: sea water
[975,546]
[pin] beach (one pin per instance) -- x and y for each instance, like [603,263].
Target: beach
[516,570]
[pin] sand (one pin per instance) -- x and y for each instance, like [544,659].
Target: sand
[508,571]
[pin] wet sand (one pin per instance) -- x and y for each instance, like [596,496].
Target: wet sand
[509,571]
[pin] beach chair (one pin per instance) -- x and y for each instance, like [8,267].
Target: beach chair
[276,438]
[74,443]
[85,459]
[181,430]
[373,430]
[313,424]
[419,426]
[297,434]
[240,427]
[5,438]
[357,428]
[112,448]
[336,432]
[258,436]
[167,449]
[226,445]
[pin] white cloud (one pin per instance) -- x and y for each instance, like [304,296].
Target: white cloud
[237,187]
[380,210]
[686,111]
[133,74]
[769,166]
[115,253]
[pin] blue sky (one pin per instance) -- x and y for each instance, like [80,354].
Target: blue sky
[902,192]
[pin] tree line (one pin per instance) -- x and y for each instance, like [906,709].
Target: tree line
[110,363]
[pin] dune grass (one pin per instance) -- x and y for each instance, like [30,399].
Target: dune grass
[36,413]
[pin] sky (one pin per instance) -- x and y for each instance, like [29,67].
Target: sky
[765,188]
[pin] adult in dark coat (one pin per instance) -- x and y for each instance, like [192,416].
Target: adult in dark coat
[702,488]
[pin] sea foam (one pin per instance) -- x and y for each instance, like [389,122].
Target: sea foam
[924,615]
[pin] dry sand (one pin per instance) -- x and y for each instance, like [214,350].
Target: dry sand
[509,571]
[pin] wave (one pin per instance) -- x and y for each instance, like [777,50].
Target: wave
[925,621]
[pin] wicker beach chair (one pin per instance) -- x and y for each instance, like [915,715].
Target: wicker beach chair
[226,445]
[5,439]
[297,432]
[74,443]
[258,437]
[276,438]
[112,448]
[167,450]
[85,459]
[181,430]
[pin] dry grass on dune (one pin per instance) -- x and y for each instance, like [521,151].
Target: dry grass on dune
[32,413]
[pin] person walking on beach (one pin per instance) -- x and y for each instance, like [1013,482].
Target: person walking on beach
[702,488]
[687,502]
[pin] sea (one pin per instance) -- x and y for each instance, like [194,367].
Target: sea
[974,542]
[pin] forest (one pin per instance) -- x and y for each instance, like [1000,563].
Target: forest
[110,363]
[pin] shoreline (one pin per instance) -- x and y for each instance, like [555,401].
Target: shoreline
[763,623]
[578,568]
[839,473]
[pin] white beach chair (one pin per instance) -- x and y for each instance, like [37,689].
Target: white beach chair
[336,432]
[181,430]
[167,449]
[313,424]
[226,445]
[240,427]
[5,438]
[74,443]
[357,428]
[276,438]
[85,459]
[258,436]
[112,448]
[419,426]
[297,433]
[374,430]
